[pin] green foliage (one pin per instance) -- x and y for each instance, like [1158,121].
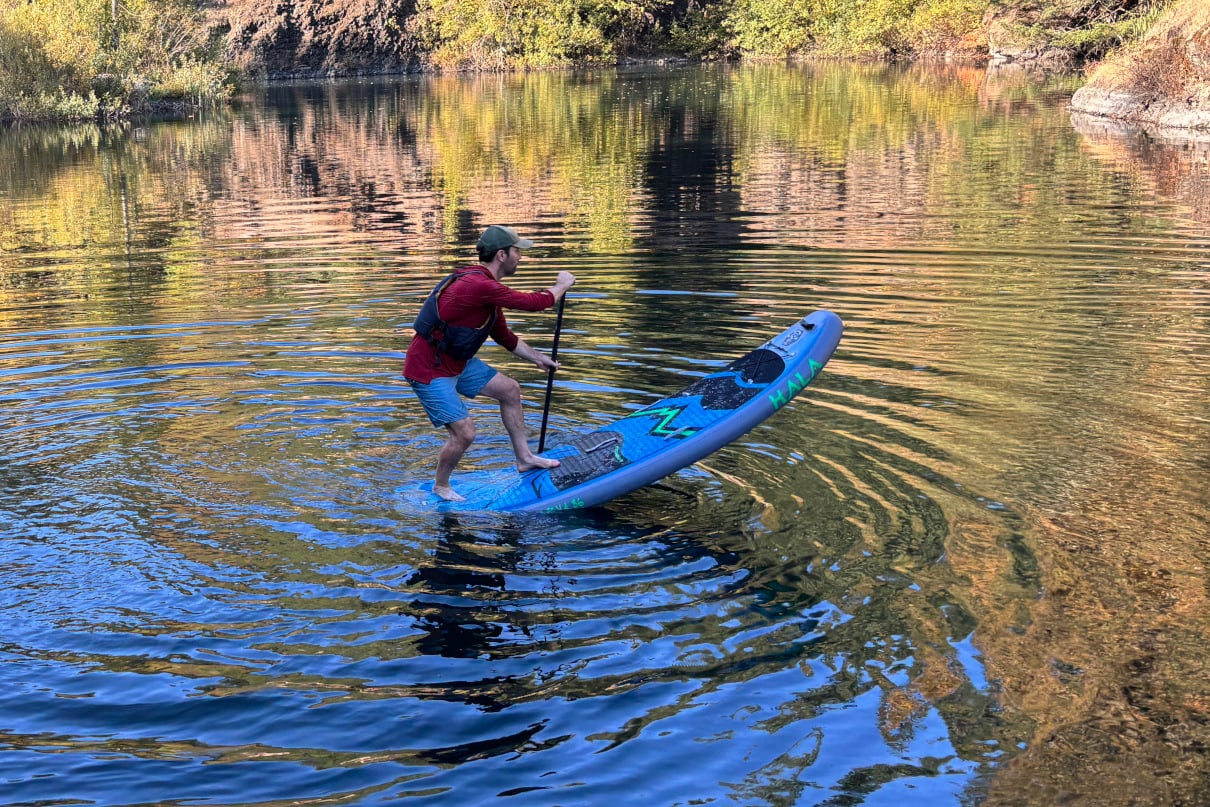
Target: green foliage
[774,27]
[48,46]
[461,34]
[74,59]
[195,81]
[1102,36]
[703,32]
[862,28]
[870,27]
[953,26]
[61,105]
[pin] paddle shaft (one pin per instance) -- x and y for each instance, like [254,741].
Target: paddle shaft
[550,375]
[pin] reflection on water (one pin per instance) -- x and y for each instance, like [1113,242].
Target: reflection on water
[967,565]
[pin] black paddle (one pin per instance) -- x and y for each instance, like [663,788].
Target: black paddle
[550,375]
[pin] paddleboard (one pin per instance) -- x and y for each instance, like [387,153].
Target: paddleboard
[663,437]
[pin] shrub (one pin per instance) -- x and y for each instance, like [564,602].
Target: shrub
[862,28]
[1102,36]
[201,83]
[461,34]
[60,105]
[773,27]
[703,32]
[73,59]
[948,26]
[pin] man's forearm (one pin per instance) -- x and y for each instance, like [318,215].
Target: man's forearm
[524,351]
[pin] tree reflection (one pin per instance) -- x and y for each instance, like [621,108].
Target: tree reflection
[1001,332]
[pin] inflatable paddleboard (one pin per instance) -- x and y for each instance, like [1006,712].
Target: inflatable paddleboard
[663,437]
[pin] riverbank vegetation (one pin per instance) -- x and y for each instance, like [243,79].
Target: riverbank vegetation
[75,59]
[1162,79]
[90,59]
[332,36]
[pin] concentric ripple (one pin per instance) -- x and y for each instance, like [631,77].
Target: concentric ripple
[214,591]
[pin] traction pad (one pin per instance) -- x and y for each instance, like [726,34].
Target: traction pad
[759,368]
[599,453]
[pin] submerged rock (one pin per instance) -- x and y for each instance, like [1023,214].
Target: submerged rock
[1163,80]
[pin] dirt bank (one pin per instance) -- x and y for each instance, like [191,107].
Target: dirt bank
[1163,80]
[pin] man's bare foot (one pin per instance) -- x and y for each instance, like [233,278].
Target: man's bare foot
[537,462]
[447,493]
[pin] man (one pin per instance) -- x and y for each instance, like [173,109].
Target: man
[456,319]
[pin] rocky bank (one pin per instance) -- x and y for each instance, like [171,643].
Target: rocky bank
[1163,79]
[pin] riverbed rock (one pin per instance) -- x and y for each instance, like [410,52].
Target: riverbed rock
[1163,80]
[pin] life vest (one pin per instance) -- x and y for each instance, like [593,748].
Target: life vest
[458,341]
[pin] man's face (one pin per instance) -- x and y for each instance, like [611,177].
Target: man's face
[509,261]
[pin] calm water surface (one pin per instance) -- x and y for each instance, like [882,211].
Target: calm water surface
[967,566]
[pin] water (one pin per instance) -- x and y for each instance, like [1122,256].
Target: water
[966,566]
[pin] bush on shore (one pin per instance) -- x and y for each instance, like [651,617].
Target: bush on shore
[537,33]
[861,28]
[1069,31]
[485,34]
[77,59]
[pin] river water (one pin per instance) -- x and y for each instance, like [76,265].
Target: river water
[966,566]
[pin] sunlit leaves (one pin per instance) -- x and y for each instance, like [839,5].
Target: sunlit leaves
[504,34]
[81,58]
[853,27]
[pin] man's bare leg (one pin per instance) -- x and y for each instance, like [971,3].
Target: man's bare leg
[462,434]
[508,393]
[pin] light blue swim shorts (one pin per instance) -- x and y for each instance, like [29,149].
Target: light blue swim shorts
[441,397]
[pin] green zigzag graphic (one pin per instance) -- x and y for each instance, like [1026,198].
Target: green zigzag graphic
[666,414]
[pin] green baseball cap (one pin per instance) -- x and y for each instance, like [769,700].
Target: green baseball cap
[500,237]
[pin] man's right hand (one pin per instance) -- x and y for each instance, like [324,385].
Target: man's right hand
[564,282]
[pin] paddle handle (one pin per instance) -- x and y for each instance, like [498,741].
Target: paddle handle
[550,375]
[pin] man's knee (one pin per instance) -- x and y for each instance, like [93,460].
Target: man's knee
[462,431]
[504,389]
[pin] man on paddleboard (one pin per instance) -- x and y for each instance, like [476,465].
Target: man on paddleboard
[460,314]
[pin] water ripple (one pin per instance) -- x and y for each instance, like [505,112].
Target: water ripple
[212,590]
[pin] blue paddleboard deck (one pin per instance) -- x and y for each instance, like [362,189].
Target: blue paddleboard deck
[668,435]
